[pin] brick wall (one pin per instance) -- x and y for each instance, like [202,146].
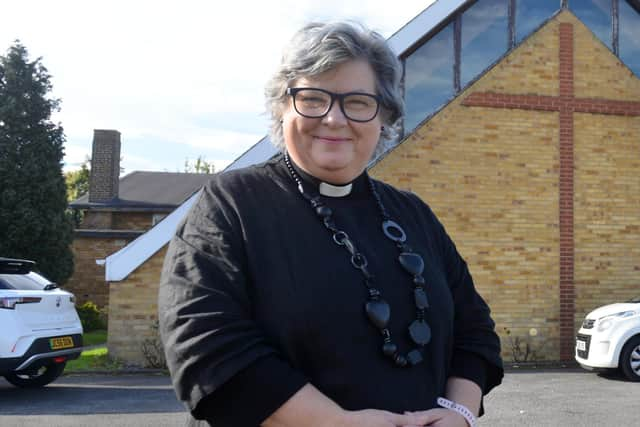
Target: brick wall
[87,282]
[108,220]
[97,220]
[493,175]
[133,310]
[132,220]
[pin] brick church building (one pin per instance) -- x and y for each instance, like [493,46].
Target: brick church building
[522,133]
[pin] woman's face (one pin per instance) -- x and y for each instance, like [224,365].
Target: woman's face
[333,148]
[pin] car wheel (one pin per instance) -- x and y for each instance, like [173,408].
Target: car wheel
[37,378]
[630,359]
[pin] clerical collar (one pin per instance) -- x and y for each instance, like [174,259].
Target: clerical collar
[326,189]
[330,190]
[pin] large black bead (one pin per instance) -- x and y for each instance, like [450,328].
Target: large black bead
[413,263]
[379,312]
[389,349]
[421,298]
[414,357]
[420,332]
[323,211]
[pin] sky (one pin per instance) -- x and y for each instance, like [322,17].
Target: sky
[179,79]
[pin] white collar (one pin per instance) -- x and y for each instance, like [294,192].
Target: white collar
[330,190]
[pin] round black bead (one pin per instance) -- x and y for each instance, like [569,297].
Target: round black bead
[389,349]
[323,211]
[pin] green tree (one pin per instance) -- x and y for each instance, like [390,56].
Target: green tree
[200,166]
[78,181]
[33,200]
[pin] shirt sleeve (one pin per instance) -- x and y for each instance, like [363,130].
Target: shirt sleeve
[215,351]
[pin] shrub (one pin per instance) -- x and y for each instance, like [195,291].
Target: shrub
[91,317]
[153,351]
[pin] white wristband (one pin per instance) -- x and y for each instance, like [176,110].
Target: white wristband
[461,409]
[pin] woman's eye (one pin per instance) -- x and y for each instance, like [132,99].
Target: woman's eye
[358,103]
[312,100]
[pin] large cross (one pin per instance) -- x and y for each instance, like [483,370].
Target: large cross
[566,104]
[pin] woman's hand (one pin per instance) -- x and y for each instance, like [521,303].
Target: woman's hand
[377,418]
[438,417]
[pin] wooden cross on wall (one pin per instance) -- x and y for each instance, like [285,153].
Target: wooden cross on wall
[566,104]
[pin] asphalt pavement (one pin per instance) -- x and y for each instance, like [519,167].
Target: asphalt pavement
[549,397]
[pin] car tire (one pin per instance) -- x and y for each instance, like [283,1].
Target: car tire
[630,359]
[39,378]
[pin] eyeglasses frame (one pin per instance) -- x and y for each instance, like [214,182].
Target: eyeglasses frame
[293,91]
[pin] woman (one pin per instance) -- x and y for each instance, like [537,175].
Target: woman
[301,292]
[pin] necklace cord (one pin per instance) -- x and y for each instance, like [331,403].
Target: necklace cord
[376,308]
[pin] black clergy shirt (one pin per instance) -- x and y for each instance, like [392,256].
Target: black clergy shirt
[256,300]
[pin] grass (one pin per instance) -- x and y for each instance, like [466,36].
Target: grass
[96,359]
[94,338]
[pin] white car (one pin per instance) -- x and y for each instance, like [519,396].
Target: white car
[40,328]
[610,338]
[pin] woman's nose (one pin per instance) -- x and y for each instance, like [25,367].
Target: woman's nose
[335,116]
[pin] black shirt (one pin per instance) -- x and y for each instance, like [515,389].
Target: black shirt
[256,299]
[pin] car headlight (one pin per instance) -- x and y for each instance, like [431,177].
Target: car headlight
[606,322]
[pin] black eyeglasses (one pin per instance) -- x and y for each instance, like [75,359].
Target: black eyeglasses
[315,103]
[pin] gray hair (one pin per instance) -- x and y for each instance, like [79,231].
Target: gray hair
[319,47]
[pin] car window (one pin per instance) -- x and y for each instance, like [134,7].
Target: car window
[23,282]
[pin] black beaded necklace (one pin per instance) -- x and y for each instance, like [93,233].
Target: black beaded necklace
[377,309]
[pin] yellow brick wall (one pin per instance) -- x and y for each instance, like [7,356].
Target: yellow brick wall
[132,220]
[607,210]
[87,281]
[97,220]
[491,176]
[133,310]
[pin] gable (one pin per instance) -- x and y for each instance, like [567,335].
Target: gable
[542,200]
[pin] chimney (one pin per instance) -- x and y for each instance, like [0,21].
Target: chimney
[105,166]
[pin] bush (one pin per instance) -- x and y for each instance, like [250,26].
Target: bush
[153,351]
[91,317]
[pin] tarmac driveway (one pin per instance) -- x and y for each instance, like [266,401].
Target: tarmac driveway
[93,400]
[563,397]
[560,397]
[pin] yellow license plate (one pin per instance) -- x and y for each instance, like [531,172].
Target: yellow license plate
[60,342]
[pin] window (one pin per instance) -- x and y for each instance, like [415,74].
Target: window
[428,82]
[629,36]
[530,14]
[485,37]
[596,14]
[24,282]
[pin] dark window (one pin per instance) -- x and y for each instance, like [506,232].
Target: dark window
[428,81]
[530,14]
[596,14]
[629,39]
[23,282]
[485,37]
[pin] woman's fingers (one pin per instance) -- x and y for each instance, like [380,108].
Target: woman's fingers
[438,417]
